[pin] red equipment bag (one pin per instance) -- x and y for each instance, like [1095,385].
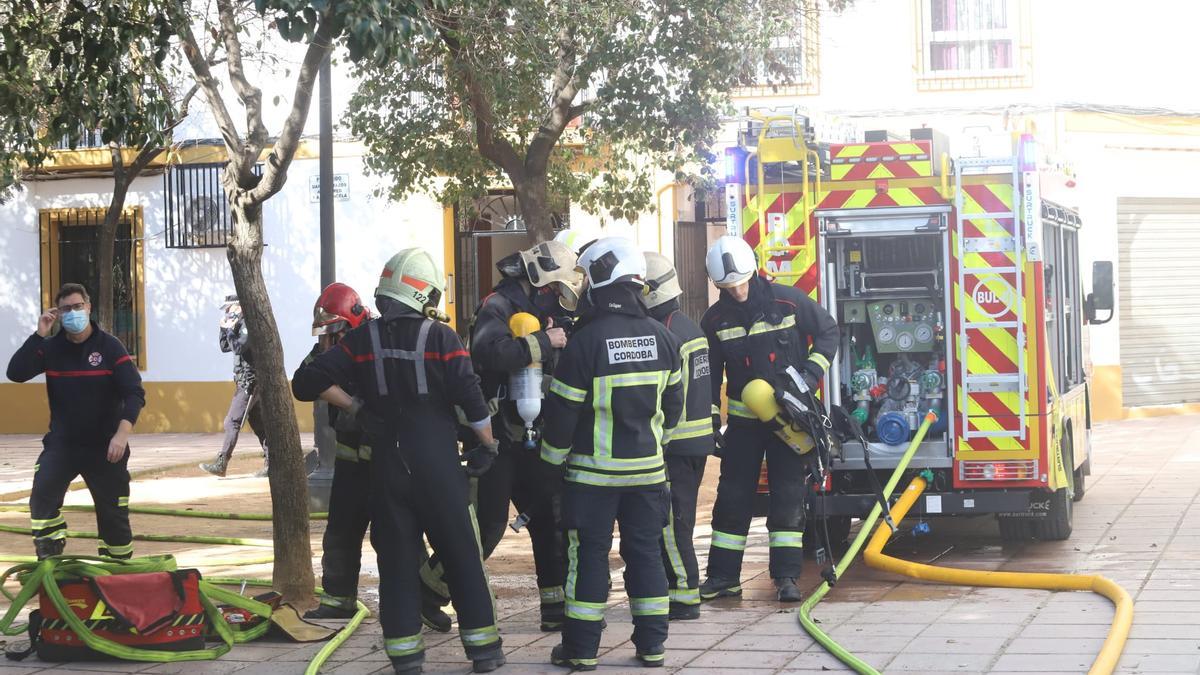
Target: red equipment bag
[151,610]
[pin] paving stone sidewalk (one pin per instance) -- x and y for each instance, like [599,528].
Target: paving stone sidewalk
[1138,524]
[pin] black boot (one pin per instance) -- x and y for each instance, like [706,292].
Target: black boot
[330,612]
[682,612]
[558,656]
[652,658]
[487,665]
[788,591]
[719,587]
[48,547]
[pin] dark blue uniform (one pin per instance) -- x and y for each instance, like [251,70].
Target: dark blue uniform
[412,372]
[92,386]
[686,456]
[776,328]
[616,389]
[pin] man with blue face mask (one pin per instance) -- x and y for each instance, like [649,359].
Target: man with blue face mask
[95,395]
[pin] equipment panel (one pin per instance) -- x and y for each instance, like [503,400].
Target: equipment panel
[903,325]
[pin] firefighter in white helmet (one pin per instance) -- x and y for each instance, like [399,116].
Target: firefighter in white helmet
[759,330]
[616,388]
[411,371]
[541,281]
[691,440]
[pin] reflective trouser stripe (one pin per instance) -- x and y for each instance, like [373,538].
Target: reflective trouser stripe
[649,606]
[552,595]
[123,501]
[41,524]
[57,534]
[337,601]
[787,539]
[671,546]
[685,596]
[653,657]
[728,541]
[116,551]
[478,637]
[577,609]
[404,646]
[585,611]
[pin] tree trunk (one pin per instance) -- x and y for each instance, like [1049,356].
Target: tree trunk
[293,572]
[533,198]
[104,307]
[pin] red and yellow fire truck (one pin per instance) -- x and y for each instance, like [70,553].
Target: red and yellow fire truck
[956,287]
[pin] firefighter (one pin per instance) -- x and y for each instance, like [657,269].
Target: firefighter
[410,371]
[616,387]
[691,439]
[541,281]
[758,329]
[95,395]
[338,310]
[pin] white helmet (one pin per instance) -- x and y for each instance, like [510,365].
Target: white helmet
[412,277]
[661,278]
[730,261]
[573,239]
[611,260]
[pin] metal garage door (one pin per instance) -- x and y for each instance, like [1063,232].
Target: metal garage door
[1159,287]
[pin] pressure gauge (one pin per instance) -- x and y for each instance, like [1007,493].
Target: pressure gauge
[905,341]
[924,333]
[886,335]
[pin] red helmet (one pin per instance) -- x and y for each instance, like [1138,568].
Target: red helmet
[338,309]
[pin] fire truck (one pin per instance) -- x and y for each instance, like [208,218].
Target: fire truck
[956,287]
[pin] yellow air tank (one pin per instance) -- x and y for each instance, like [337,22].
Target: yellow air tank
[759,397]
[525,385]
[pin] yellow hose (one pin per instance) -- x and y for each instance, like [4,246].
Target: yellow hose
[1110,653]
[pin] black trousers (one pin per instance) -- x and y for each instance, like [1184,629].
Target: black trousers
[746,442]
[108,482]
[433,498]
[521,477]
[349,517]
[589,513]
[678,553]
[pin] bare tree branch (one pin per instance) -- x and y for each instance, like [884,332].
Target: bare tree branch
[289,137]
[492,146]
[204,77]
[250,96]
[565,87]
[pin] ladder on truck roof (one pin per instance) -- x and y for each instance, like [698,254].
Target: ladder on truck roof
[999,382]
[788,146]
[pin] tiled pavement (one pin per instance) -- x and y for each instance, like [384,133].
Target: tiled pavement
[1138,524]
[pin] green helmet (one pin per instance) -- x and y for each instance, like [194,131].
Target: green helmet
[413,278]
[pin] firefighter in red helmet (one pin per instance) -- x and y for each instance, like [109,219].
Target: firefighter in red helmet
[338,310]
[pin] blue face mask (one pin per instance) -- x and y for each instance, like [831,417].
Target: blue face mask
[75,321]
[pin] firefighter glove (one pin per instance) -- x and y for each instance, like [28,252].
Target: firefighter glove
[480,458]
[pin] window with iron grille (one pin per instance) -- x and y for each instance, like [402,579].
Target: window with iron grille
[981,40]
[197,210]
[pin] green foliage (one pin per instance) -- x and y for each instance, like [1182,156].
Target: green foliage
[76,66]
[652,80]
[377,31]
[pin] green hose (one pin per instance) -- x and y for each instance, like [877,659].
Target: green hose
[169,538]
[806,608]
[160,511]
[344,634]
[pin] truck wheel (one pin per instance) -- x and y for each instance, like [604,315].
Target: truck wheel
[1056,526]
[1015,529]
